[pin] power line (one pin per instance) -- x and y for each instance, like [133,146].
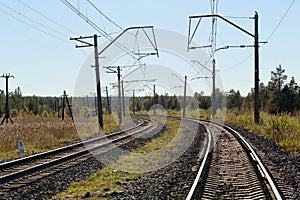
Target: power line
[32,20]
[106,17]
[240,62]
[85,18]
[275,29]
[95,26]
[34,27]
[282,18]
[44,16]
[106,35]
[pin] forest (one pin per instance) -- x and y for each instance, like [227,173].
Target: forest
[279,107]
[276,97]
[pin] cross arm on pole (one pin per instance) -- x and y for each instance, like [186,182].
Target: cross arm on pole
[81,40]
[224,19]
[153,43]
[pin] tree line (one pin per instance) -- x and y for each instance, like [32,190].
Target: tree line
[277,96]
[34,105]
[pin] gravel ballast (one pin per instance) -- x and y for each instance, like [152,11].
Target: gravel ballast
[170,182]
[284,167]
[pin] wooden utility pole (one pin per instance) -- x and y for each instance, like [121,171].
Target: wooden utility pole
[107,99]
[123,99]
[64,101]
[119,102]
[214,89]
[154,99]
[96,55]
[256,70]
[184,97]
[111,69]
[6,117]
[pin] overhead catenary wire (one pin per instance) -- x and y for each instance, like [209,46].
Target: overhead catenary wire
[32,20]
[97,28]
[34,27]
[268,38]
[85,18]
[52,21]
[281,20]
[46,17]
[132,54]
[213,34]
[105,16]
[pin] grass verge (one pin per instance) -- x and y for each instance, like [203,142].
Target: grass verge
[43,134]
[284,130]
[109,180]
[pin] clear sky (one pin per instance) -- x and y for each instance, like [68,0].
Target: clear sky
[36,49]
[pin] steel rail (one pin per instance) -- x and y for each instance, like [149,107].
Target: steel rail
[37,168]
[200,171]
[260,163]
[256,159]
[62,149]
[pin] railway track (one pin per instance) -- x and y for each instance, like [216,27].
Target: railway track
[231,169]
[25,170]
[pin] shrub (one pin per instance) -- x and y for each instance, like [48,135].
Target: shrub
[14,113]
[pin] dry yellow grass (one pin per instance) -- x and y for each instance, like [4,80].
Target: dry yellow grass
[37,133]
[283,129]
[42,134]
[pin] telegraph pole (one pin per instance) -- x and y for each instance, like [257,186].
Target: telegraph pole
[112,70]
[64,100]
[99,101]
[6,117]
[133,104]
[214,89]
[95,100]
[213,72]
[107,99]
[119,92]
[154,102]
[69,106]
[256,70]
[123,99]
[133,98]
[184,92]
[95,45]
[63,107]
[58,107]
[184,97]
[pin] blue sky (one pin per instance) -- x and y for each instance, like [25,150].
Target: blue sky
[45,62]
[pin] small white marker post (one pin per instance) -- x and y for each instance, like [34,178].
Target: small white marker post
[21,148]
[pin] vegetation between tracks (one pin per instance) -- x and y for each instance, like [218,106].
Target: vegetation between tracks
[109,180]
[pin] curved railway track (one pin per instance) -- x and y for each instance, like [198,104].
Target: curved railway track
[231,169]
[19,172]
